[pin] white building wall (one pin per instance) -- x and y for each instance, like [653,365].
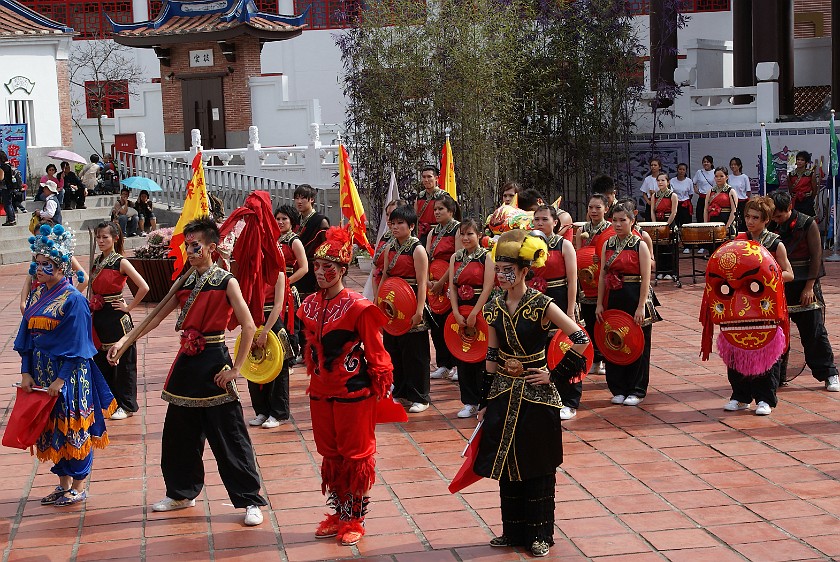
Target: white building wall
[35,60]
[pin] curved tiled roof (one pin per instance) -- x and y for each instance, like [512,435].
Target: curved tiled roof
[213,20]
[16,20]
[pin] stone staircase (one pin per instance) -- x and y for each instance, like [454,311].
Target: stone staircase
[14,247]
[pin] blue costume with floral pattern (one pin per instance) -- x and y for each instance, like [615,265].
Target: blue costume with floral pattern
[55,341]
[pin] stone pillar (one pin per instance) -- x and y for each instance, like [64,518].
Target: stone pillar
[663,43]
[742,47]
[773,42]
[835,57]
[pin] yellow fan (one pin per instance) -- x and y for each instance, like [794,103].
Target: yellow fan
[262,365]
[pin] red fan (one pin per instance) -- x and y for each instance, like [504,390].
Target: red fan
[397,300]
[466,475]
[558,347]
[619,338]
[467,344]
[388,411]
[438,303]
[28,419]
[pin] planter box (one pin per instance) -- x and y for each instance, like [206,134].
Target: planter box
[157,273]
[365,263]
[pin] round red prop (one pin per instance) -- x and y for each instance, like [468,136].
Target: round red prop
[619,338]
[397,300]
[438,303]
[587,271]
[557,349]
[467,344]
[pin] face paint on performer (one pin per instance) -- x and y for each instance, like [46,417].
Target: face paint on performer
[327,273]
[45,269]
[197,249]
[506,274]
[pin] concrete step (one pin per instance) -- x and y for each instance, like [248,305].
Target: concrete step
[17,251]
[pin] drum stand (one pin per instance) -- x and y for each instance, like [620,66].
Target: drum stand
[714,242]
[666,247]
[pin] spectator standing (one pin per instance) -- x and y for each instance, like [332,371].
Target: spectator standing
[740,182]
[649,187]
[8,189]
[704,181]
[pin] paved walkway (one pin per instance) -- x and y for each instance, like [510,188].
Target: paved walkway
[674,479]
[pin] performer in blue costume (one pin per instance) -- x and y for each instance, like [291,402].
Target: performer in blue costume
[55,343]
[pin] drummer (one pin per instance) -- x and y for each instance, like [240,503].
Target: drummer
[405,257]
[593,233]
[471,278]
[558,280]
[721,201]
[441,244]
[665,202]
[625,285]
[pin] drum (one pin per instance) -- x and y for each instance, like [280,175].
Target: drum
[702,232]
[659,232]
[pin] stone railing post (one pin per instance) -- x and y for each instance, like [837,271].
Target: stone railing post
[252,154]
[141,149]
[312,157]
[196,147]
[767,92]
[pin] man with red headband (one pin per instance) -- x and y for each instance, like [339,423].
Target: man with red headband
[349,371]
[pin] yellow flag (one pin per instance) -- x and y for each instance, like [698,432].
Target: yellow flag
[447,171]
[351,205]
[196,205]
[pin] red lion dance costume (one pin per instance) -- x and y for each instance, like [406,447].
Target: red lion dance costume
[349,372]
[745,296]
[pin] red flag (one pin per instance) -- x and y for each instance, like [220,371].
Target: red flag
[351,205]
[466,475]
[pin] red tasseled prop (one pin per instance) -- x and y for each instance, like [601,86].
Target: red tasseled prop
[331,470]
[258,259]
[359,475]
[708,329]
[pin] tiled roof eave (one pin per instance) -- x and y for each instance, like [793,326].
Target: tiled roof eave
[152,37]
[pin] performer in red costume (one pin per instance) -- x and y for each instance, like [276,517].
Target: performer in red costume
[203,400]
[112,316]
[425,204]
[349,372]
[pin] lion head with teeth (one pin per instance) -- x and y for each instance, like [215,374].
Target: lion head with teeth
[745,296]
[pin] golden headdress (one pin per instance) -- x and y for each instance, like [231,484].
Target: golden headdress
[521,247]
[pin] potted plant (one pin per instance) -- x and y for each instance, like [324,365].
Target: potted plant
[363,259]
[152,263]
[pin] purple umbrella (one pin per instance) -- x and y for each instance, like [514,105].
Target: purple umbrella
[67,155]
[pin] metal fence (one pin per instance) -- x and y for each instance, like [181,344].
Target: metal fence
[231,186]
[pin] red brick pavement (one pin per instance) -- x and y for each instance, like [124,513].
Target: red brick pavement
[674,479]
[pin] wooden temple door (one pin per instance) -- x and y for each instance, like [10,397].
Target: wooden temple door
[204,109]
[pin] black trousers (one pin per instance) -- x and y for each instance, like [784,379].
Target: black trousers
[761,388]
[587,314]
[272,398]
[632,379]
[701,206]
[411,357]
[184,432]
[443,357]
[122,378]
[740,219]
[683,215]
[528,509]
[470,377]
[818,354]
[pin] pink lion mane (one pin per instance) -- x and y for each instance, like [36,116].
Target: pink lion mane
[752,363]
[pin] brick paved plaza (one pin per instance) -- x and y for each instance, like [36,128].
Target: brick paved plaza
[675,479]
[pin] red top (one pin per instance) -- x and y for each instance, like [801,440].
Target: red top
[627,262]
[663,208]
[109,281]
[444,248]
[404,266]
[425,208]
[210,311]
[337,365]
[800,186]
[718,202]
[269,288]
[555,265]
[289,254]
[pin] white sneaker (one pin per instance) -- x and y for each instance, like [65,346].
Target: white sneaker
[667,278]
[418,407]
[632,400]
[618,399]
[832,384]
[686,251]
[567,413]
[253,515]
[602,369]
[468,411]
[439,373]
[453,374]
[168,504]
[701,251]
[734,406]
[119,414]
[763,409]
[258,421]
[659,276]
[271,423]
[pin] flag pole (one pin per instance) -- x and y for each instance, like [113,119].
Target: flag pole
[834,257]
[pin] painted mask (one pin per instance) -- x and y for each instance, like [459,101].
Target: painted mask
[745,296]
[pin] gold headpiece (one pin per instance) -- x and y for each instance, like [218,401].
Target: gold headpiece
[519,246]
